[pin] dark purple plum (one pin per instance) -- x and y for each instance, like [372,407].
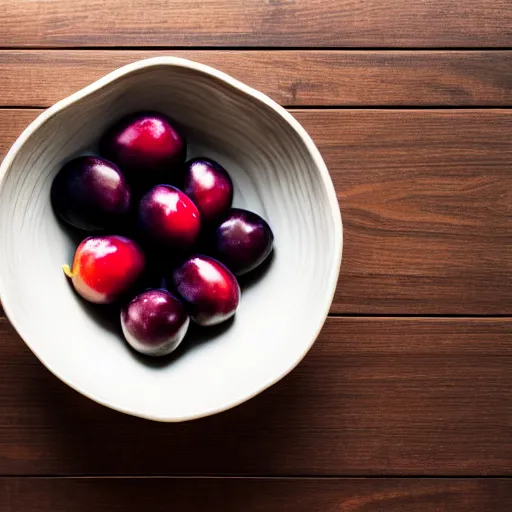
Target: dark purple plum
[147,146]
[243,240]
[154,322]
[168,218]
[90,193]
[208,184]
[209,290]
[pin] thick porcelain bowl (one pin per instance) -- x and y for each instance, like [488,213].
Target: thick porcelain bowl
[278,172]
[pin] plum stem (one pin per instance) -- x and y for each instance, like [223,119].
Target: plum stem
[67,270]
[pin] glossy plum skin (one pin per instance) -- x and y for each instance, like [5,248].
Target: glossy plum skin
[104,268]
[208,184]
[209,290]
[154,322]
[90,193]
[243,240]
[145,145]
[169,218]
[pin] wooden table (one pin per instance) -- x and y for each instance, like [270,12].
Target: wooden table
[405,402]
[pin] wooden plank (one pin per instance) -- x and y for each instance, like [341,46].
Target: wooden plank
[315,77]
[377,23]
[375,396]
[254,495]
[425,198]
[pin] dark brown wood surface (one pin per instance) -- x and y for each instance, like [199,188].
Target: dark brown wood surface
[254,495]
[405,401]
[293,78]
[425,197]
[311,23]
[375,396]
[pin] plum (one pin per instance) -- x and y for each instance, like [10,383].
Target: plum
[208,184]
[209,290]
[90,193]
[169,218]
[242,241]
[145,145]
[104,268]
[154,322]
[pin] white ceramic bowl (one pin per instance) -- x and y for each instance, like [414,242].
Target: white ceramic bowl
[278,172]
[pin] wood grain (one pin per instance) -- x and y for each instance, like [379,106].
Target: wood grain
[375,396]
[254,495]
[425,197]
[375,23]
[314,77]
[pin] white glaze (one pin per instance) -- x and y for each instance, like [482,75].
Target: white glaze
[277,172]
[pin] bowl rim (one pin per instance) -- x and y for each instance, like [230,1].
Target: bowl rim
[246,90]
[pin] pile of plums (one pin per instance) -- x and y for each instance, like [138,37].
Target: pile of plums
[164,242]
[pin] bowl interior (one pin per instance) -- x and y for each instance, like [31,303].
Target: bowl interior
[275,174]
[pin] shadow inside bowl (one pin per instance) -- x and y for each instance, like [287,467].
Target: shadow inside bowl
[248,280]
[105,315]
[196,336]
